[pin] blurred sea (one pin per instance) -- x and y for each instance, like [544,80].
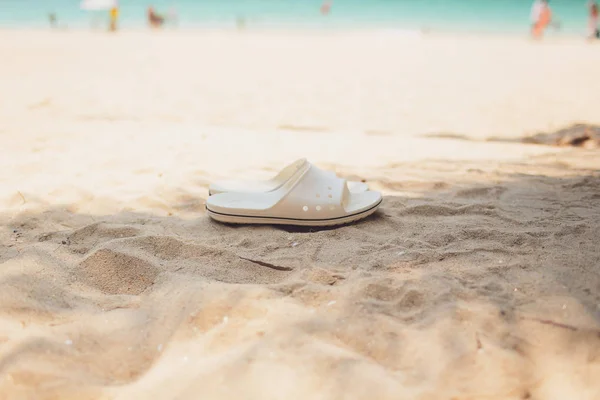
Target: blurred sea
[478,16]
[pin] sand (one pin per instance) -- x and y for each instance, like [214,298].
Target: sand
[478,278]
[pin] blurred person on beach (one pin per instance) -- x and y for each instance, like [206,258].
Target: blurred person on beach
[541,16]
[114,18]
[52,20]
[240,23]
[155,20]
[594,32]
[326,7]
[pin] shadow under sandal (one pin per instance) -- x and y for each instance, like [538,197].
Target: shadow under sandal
[311,197]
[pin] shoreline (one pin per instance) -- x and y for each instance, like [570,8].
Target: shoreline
[333,31]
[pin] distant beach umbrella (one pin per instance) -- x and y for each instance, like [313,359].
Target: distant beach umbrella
[95,5]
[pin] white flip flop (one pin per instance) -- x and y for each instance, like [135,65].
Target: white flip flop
[311,197]
[274,183]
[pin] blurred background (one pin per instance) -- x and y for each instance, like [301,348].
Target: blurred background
[485,16]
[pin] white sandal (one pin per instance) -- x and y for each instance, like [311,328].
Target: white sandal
[274,183]
[309,197]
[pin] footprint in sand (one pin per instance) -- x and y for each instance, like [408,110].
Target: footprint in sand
[113,272]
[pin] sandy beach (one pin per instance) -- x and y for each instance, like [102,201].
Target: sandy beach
[478,278]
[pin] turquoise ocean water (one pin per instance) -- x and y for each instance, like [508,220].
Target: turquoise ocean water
[484,16]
